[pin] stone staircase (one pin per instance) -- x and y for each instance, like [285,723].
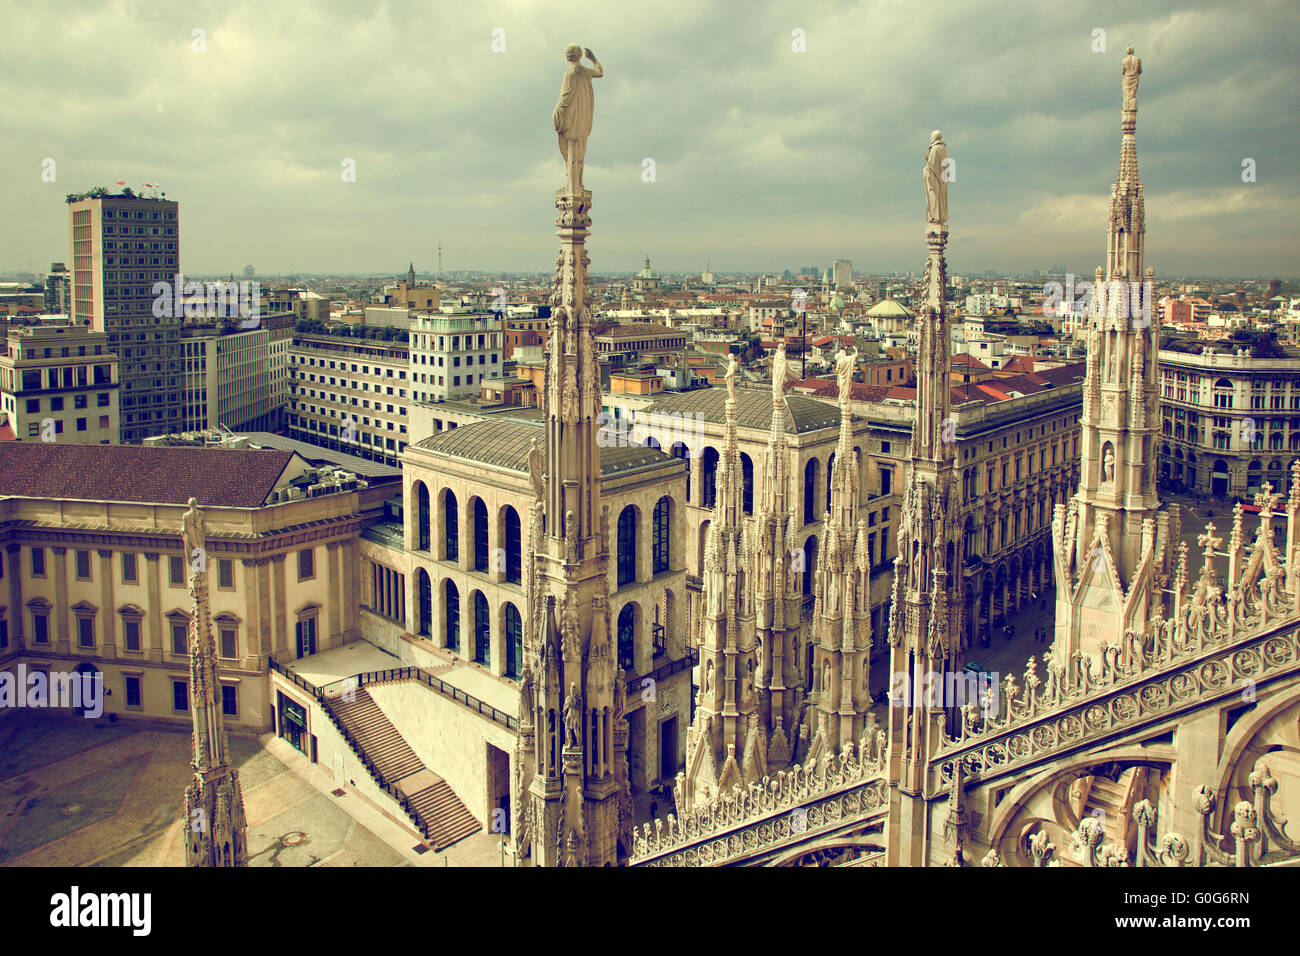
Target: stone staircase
[431,804]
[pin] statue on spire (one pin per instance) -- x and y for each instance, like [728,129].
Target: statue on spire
[1131,69]
[574,112]
[936,180]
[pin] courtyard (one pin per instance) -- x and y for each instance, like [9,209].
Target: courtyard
[76,792]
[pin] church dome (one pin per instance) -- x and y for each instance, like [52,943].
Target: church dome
[889,308]
[647,272]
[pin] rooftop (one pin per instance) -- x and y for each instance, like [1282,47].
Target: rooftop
[505,443]
[753,409]
[216,477]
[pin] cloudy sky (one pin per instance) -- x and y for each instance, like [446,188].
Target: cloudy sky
[764,158]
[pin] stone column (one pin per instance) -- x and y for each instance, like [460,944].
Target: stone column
[108,607]
[14,553]
[60,600]
[281,611]
[152,634]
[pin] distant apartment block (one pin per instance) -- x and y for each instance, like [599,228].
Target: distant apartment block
[350,395]
[237,379]
[121,246]
[453,352]
[59,383]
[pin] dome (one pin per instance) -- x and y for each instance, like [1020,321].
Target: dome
[837,302]
[647,272]
[889,308]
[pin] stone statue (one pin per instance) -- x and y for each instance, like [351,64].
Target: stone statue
[573,717]
[936,185]
[195,531]
[1131,69]
[845,364]
[1108,466]
[730,377]
[573,114]
[778,373]
[620,694]
[570,536]
[535,466]
[526,695]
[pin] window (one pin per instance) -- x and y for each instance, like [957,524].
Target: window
[180,695]
[176,570]
[85,631]
[4,630]
[229,645]
[306,564]
[662,532]
[226,573]
[451,605]
[83,565]
[180,637]
[229,700]
[514,547]
[38,562]
[131,633]
[514,642]
[128,567]
[40,626]
[132,691]
[306,635]
[482,630]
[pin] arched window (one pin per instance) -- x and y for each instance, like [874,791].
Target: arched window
[682,453]
[627,638]
[709,476]
[451,607]
[809,564]
[627,545]
[514,642]
[424,591]
[451,527]
[422,516]
[482,630]
[514,547]
[830,478]
[810,491]
[747,483]
[480,535]
[662,534]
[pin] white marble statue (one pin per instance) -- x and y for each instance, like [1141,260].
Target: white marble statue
[1131,69]
[845,364]
[778,372]
[936,186]
[573,113]
[730,377]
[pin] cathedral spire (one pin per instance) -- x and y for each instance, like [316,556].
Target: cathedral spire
[1113,530]
[215,832]
[926,625]
[841,625]
[571,758]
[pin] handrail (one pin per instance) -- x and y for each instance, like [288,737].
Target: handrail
[666,669]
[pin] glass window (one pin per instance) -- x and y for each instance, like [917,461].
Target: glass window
[229,645]
[229,700]
[180,638]
[128,567]
[38,562]
[131,632]
[85,631]
[133,692]
[180,695]
[306,564]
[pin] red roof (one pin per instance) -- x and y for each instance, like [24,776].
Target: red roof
[969,361]
[7,433]
[218,477]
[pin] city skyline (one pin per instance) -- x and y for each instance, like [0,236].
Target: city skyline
[251,134]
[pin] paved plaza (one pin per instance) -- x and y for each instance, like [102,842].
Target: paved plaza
[76,792]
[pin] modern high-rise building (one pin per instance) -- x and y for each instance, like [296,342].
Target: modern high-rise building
[842,272]
[121,246]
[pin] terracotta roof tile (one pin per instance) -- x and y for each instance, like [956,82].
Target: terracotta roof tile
[218,477]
